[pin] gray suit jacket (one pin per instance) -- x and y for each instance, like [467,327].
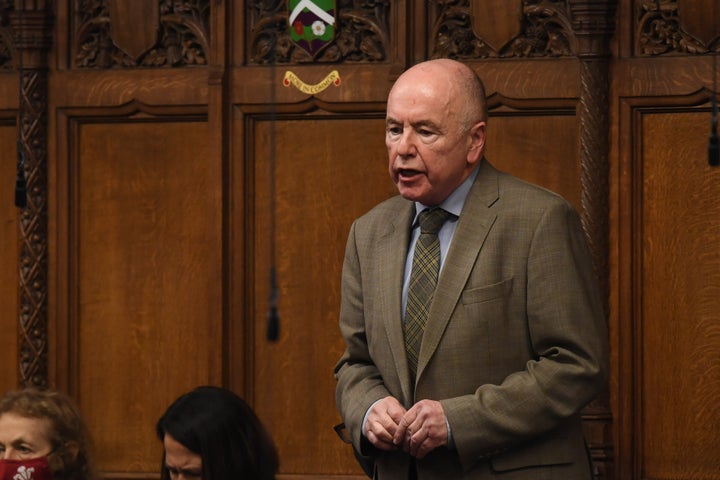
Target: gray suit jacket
[516,342]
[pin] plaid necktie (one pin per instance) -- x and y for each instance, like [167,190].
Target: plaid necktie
[423,278]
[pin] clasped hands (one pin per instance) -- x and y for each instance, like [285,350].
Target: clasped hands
[416,431]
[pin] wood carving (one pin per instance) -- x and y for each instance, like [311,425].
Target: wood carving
[361,36]
[595,164]
[660,29]
[6,42]
[593,24]
[497,21]
[701,18]
[546,32]
[134,26]
[32,30]
[182,39]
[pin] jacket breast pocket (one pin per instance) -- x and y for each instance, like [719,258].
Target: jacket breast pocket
[488,293]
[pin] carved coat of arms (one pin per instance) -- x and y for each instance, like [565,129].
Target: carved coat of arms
[312,23]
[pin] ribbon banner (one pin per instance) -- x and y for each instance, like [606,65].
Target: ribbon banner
[312,24]
[332,78]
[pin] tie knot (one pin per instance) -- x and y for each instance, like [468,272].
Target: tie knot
[431,220]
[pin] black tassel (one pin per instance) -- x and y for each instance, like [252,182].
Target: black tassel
[273,317]
[20,183]
[713,152]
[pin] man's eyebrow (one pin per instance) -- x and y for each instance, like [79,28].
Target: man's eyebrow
[418,124]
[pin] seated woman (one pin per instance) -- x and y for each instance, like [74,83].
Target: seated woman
[211,434]
[42,437]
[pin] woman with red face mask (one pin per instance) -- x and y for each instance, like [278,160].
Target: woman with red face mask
[42,437]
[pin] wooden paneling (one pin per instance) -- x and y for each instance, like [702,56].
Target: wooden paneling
[666,227]
[9,215]
[160,197]
[145,324]
[328,170]
[678,377]
[541,150]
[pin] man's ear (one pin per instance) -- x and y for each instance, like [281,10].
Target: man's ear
[476,148]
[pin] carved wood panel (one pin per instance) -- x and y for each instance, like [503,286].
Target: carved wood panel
[676,27]
[545,30]
[103,37]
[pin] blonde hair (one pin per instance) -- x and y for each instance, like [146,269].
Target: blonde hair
[68,435]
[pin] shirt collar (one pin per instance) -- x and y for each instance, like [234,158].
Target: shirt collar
[454,203]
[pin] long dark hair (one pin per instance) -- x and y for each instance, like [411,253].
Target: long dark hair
[227,434]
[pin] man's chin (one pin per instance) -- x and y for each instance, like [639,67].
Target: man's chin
[410,193]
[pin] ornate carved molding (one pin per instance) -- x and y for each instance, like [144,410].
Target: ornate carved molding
[594,159]
[593,23]
[32,32]
[362,34]
[183,36]
[660,31]
[546,32]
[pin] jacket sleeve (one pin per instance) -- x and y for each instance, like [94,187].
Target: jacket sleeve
[359,383]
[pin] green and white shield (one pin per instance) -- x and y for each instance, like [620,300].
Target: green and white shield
[312,23]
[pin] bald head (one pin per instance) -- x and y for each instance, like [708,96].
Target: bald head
[451,78]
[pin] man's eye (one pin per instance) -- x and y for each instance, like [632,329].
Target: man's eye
[394,130]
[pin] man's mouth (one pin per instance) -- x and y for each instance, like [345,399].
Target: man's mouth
[408,173]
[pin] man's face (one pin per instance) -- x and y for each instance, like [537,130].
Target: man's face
[430,151]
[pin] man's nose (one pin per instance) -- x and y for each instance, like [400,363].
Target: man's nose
[406,143]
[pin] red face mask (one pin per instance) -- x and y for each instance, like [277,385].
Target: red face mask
[33,469]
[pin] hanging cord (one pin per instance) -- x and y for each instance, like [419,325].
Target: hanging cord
[713,150]
[273,317]
[20,182]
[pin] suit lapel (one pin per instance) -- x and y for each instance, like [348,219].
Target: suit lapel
[393,246]
[474,223]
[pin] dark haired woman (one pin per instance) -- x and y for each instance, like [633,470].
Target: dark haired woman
[210,433]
